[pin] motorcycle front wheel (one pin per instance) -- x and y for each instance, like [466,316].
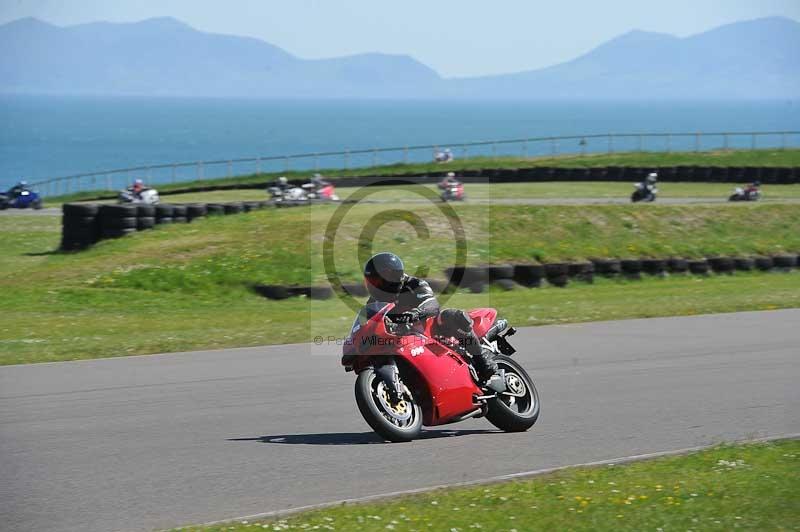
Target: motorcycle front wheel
[396,422]
[517,409]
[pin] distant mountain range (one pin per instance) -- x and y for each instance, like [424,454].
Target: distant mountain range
[165,57]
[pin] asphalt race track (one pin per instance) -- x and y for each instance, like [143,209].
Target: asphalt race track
[160,441]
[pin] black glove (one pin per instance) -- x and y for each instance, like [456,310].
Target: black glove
[406,317]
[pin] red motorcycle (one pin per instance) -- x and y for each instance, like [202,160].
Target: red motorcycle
[409,377]
[452,191]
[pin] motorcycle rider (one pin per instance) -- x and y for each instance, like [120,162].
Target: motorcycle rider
[752,189]
[448,181]
[415,301]
[137,188]
[14,192]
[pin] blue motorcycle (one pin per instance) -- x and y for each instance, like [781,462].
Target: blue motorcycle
[23,199]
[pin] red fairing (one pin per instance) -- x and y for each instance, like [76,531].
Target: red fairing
[482,320]
[327,191]
[443,372]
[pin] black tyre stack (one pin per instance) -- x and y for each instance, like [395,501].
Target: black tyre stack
[179,214]
[118,220]
[80,228]
[214,209]
[146,217]
[164,213]
[529,275]
[195,210]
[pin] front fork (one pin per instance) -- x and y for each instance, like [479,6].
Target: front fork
[390,375]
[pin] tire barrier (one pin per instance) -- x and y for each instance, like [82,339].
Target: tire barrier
[195,210]
[233,207]
[252,206]
[678,265]
[556,274]
[84,224]
[529,275]
[744,264]
[582,271]
[631,268]
[503,271]
[215,209]
[164,213]
[784,262]
[722,264]
[654,266]
[359,290]
[116,221]
[179,214]
[607,267]
[699,267]
[764,263]
[79,226]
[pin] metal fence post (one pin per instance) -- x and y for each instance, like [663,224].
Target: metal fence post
[464,151]
[669,143]
[230,168]
[108,181]
[494,150]
[316,162]
[174,177]
[258,165]
[783,141]
[697,142]
[552,146]
[525,149]
[610,143]
[286,160]
[405,155]
[346,159]
[753,141]
[725,142]
[640,143]
[374,157]
[582,144]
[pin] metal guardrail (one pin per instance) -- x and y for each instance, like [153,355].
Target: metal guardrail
[358,158]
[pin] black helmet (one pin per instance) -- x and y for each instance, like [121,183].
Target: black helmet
[384,275]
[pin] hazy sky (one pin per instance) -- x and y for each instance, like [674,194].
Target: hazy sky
[455,37]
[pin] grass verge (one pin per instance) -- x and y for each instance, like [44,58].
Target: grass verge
[749,487]
[185,287]
[73,322]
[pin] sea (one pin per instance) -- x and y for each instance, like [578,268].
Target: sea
[44,137]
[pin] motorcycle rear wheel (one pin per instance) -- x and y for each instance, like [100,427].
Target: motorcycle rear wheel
[514,413]
[396,423]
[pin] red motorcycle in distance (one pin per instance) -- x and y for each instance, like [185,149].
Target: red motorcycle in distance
[409,377]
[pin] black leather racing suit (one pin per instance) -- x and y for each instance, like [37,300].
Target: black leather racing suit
[417,296]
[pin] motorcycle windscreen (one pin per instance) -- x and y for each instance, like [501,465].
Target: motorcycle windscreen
[367,313]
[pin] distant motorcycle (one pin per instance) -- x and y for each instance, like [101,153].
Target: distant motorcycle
[148,196]
[26,198]
[453,192]
[309,192]
[443,156]
[742,194]
[644,192]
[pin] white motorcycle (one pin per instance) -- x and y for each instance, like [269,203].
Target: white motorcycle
[740,194]
[148,196]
